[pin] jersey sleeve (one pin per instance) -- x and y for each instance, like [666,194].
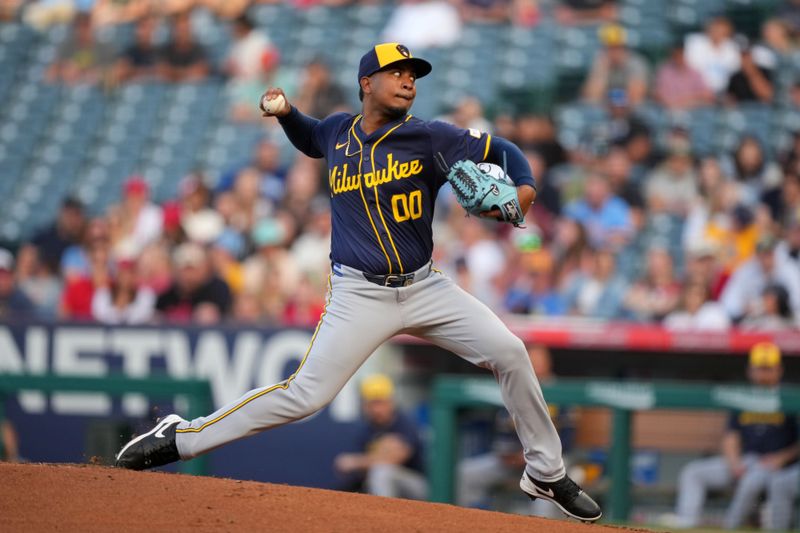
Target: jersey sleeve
[309,135]
[456,143]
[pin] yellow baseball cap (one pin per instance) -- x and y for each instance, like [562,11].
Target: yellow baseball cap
[377,387]
[385,54]
[613,35]
[765,354]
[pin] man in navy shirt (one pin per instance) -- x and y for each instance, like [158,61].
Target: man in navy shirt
[383,181]
[389,457]
[759,452]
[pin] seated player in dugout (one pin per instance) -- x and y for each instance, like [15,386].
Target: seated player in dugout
[385,170]
[759,455]
[389,459]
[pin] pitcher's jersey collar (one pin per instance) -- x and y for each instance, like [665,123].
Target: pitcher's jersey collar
[362,136]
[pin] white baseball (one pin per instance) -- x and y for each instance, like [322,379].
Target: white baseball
[495,171]
[274,105]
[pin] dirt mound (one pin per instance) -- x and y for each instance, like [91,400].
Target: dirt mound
[45,497]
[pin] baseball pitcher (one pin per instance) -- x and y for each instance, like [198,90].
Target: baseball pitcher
[385,168]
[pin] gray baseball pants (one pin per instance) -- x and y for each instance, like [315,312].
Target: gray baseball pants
[702,475]
[359,317]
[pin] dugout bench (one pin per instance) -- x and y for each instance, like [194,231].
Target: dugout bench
[453,393]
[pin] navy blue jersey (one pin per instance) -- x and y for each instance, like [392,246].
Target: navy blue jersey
[383,186]
[763,433]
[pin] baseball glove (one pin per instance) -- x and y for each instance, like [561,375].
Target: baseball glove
[478,192]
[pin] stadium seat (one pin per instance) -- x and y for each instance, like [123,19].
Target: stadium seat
[99,137]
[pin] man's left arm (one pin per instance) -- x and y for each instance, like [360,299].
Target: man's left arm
[453,144]
[502,151]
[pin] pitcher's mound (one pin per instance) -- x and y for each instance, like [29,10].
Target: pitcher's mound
[45,497]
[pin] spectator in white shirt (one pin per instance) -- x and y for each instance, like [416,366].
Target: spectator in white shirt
[698,312]
[249,50]
[742,294]
[421,24]
[137,221]
[774,314]
[252,59]
[123,300]
[714,53]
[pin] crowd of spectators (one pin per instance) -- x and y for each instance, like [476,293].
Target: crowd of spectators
[45,13]
[631,227]
[241,252]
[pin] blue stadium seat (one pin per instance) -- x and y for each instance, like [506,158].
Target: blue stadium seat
[97,138]
[576,121]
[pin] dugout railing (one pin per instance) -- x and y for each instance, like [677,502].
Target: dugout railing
[197,393]
[452,394]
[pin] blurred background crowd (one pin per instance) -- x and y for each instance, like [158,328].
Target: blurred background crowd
[140,184]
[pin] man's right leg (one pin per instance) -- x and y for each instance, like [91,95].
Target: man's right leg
[781,493]
[358,317]
[754,480]
[695,480]
[443,313]
[351,328]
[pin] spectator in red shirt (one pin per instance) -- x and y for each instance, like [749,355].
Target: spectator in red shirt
[76,301]
[81,266]
[678,86]
[304,307]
